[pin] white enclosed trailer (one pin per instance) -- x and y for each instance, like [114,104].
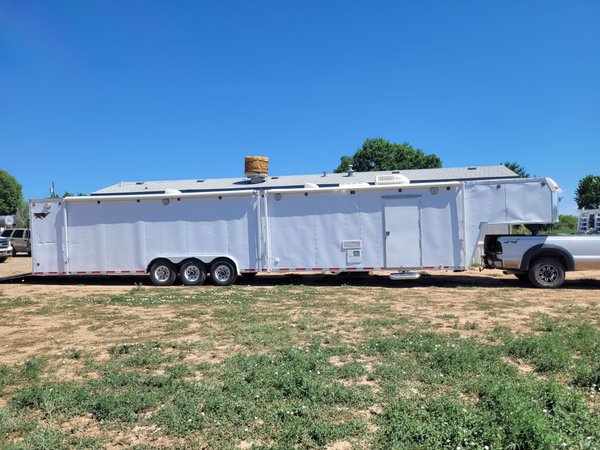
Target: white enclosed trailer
[388,225]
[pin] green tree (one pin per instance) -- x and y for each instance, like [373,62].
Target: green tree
[587,195]
[380,154]
[22,218]
[11,194]
[517,168]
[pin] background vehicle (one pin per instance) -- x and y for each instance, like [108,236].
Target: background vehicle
[5,249]
[19,239]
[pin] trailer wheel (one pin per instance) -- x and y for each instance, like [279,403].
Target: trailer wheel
[547,272]
[163,273]
[223,272]
[192,273]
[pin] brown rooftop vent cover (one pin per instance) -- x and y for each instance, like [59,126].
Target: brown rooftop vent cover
[256,167]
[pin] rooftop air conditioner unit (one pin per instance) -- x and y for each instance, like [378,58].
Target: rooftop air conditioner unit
[393,178]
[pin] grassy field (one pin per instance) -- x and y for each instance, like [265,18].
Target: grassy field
[296,366]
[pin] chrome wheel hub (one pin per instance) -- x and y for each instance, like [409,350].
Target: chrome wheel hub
[192,273]
[162,273]
[547,273]
[223,273]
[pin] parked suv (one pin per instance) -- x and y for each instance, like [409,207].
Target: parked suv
[19,239]
[5,249]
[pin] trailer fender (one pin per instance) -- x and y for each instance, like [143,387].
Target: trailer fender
[547,250]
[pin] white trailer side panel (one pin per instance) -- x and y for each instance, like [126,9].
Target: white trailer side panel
[341,230]
[124,236]
[47,218]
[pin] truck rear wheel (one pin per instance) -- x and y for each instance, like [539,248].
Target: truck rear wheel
[223,272]
[547,272]
[192,273]
[163,273]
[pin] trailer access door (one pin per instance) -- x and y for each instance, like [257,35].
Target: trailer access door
[402,223]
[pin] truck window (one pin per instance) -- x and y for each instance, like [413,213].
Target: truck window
[6,233]
[17,234]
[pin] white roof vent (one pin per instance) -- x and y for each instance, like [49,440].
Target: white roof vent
[311,186]
[172,192]
[394,178]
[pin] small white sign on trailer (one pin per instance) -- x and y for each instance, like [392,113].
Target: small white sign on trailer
[358,227]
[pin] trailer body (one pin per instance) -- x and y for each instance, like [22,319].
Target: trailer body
[343,228]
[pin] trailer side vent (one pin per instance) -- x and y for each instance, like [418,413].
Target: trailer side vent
[391,179]
[346,245]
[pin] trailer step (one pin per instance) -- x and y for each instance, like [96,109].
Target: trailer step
[405,276]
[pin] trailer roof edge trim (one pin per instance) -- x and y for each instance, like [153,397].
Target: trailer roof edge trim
[130,197]
[380,187]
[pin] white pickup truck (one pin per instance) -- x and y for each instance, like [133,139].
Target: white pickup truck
[542,260]
[5,249]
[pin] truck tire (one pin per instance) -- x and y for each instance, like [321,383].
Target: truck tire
[223,272]
[3,258]
[547,272]
[163,273]
[192,273]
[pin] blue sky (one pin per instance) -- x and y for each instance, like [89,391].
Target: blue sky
[95,92]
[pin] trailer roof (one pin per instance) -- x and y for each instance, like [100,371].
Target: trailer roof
[299,181]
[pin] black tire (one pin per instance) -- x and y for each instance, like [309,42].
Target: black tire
[14,251]
[192,273]
[3,258]
[223,272]
[163,273]
[547,272]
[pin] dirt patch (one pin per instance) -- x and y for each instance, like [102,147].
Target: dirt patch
[41,316]
[15,265]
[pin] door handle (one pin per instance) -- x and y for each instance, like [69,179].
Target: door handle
[387,233]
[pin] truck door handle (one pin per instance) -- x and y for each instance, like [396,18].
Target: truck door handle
[387,233]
